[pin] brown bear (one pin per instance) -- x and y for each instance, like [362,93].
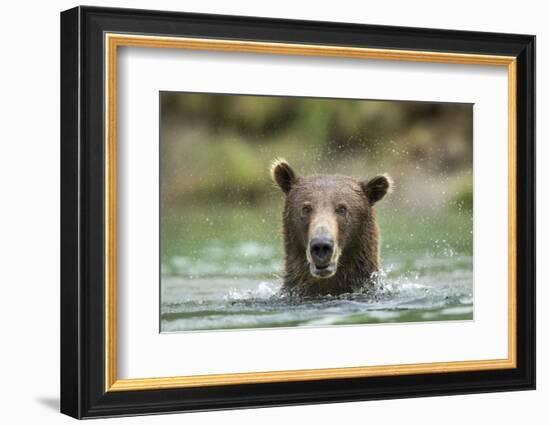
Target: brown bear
[329,230]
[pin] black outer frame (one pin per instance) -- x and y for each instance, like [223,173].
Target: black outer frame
[82,218]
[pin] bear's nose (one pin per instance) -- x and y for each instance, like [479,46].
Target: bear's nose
[321,248]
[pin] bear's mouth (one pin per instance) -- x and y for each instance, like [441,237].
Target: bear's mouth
[322,272]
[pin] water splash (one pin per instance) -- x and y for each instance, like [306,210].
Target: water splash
[237,286]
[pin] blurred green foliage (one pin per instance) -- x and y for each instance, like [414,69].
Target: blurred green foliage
[217,149]
[463,197]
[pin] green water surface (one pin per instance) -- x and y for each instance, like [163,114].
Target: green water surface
[221,268]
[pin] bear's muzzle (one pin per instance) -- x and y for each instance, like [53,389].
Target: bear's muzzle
[322,251]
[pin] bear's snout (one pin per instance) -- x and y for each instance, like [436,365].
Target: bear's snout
[322,248]
[322,253]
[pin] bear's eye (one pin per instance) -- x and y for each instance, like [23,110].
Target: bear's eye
[306,209]
[341,209]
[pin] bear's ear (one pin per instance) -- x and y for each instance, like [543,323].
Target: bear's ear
[377,187]
[282,175]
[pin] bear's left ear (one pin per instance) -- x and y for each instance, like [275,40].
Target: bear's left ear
[377,187]
[282,174]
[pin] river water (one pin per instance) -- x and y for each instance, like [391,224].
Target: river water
[234,284]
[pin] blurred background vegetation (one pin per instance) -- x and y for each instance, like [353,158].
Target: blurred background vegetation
[216,151]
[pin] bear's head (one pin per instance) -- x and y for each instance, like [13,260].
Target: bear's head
[327,218]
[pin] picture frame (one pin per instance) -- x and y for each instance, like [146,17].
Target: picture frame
[90,41]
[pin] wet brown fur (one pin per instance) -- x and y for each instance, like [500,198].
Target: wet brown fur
[357,233]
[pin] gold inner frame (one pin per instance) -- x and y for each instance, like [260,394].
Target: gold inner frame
[113,41]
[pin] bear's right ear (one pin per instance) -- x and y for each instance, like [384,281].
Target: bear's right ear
[282,174]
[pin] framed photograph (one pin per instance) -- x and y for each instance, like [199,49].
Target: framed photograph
[261,212]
